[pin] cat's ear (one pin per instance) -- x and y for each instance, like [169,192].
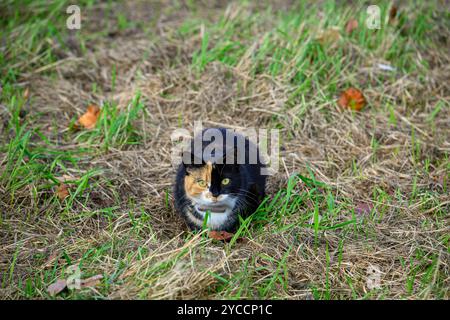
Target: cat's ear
[190,161]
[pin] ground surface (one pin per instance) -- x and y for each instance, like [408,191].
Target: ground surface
[357,192]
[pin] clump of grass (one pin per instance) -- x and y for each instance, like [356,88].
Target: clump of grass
[115,126]
[31,160]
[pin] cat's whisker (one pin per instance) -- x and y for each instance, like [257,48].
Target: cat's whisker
[249,194]
[251,199]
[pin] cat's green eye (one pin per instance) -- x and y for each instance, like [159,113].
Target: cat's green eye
[226,181]
[201,183]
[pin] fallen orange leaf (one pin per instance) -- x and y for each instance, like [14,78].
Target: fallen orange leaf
[89,119]
[220,235]
[62,191]
[352,99]
[352,24]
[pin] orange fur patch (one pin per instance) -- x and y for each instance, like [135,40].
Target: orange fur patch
[190,181]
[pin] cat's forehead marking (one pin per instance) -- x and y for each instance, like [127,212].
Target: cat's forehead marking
[209,167]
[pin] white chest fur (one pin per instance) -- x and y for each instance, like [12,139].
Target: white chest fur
[216,219]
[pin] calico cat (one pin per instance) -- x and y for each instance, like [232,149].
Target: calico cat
[217,185]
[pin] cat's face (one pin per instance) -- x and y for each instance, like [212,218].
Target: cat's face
[212,187]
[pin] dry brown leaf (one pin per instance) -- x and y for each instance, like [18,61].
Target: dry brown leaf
[26,94]
[220,235]
[351,25]
[62,191]
[89,119]
[329,36]
[91,282]
[393,14]
[352,99]
[363,208]
[57,287]
[66,177]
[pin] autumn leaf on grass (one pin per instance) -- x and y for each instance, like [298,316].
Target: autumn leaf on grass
[352,99]
[66,177]
[329,36]
[66,181]
[57,287]
[221,235]
[61,284]
[393,14]
[351,25]
[62,191]
[26,94]
[363,208]
[91,282]
[89,119]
